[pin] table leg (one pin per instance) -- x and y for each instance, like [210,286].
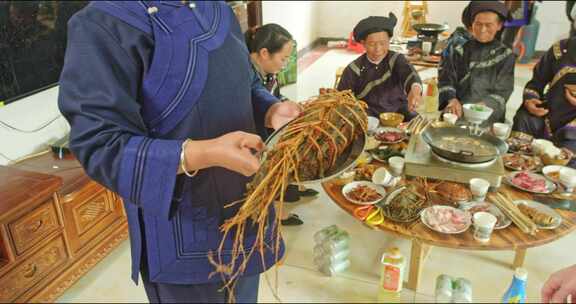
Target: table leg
[417,257]
[519,258]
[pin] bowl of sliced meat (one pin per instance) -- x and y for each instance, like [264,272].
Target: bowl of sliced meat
[446,219]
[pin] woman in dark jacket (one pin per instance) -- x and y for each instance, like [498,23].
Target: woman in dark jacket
[270,48]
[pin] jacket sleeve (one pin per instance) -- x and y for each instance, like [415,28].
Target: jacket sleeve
[348,80]
[447,79]
[541,76]
[406,73]
[262,100]
[98,94]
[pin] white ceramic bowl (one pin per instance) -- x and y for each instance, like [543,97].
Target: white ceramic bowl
[539,146]
[501,130]
[568,176]
[351,186]
[382,177]
[475,116]
[373,123]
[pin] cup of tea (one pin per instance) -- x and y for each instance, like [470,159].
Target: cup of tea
[450,118]
[479,188]
[484,224]
[396,165]
[501,130]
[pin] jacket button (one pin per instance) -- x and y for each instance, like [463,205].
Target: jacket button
[152,10]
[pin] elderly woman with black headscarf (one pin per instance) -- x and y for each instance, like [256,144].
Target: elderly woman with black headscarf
[382,78]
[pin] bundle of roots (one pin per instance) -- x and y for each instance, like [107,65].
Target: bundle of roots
[307,149]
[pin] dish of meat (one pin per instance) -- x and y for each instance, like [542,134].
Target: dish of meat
[520,162]
[521,144]
[531,182]
[363,193]
[446,219]
[390,135]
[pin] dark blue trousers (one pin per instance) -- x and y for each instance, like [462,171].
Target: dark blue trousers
[246,292]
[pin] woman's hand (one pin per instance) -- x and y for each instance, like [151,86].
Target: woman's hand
[236,151]
[414,97]
[559,286]
[532,105]
[281,113]
[571,98]
[455,107]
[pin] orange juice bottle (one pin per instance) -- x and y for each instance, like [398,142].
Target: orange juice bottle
[392,276]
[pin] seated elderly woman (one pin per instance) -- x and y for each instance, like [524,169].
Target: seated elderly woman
[551,114]
[382,78]
[479,70]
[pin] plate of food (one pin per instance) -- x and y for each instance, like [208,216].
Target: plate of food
[404,204]
[521,162]
[363,193]
[502,221]
[543,216]
[552,172]
[452,193]
[383,153]
[390,135]
[446,219]
[520,143]
[365,172]
[531,182]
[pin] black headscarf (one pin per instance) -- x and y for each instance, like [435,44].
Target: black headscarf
[374,24]
[476,7]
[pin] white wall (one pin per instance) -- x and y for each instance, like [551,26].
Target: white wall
[338,18]
[298,17]
[554,25]
[29,114]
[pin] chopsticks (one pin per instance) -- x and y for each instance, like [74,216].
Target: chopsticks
[511,210]
[418,124]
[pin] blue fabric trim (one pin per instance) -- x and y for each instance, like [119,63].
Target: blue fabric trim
[148,173]
[167,116]
[167,98]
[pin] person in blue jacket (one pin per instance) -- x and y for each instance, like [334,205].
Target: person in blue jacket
[164,105]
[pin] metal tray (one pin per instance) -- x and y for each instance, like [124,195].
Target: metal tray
[345,162]
[432,136]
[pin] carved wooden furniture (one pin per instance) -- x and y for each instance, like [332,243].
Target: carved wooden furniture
[249,13]
[55,225]
[414,12]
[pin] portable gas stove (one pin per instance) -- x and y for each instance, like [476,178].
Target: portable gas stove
[421,161]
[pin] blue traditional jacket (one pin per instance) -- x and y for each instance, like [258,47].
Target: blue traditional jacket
[139,78]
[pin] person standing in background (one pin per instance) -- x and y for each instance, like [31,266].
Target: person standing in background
[270,47]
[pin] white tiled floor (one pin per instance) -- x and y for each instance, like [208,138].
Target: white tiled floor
[489,272]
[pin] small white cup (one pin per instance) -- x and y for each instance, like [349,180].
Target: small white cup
[426,47]
[382,177]
[541,145]
[484,223]
[396,165]
[501,130]
[479,188]
[450,118]
[568,179]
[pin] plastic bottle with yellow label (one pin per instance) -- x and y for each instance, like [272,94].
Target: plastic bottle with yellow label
[392,276]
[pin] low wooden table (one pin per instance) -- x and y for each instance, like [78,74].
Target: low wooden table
[423,238]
